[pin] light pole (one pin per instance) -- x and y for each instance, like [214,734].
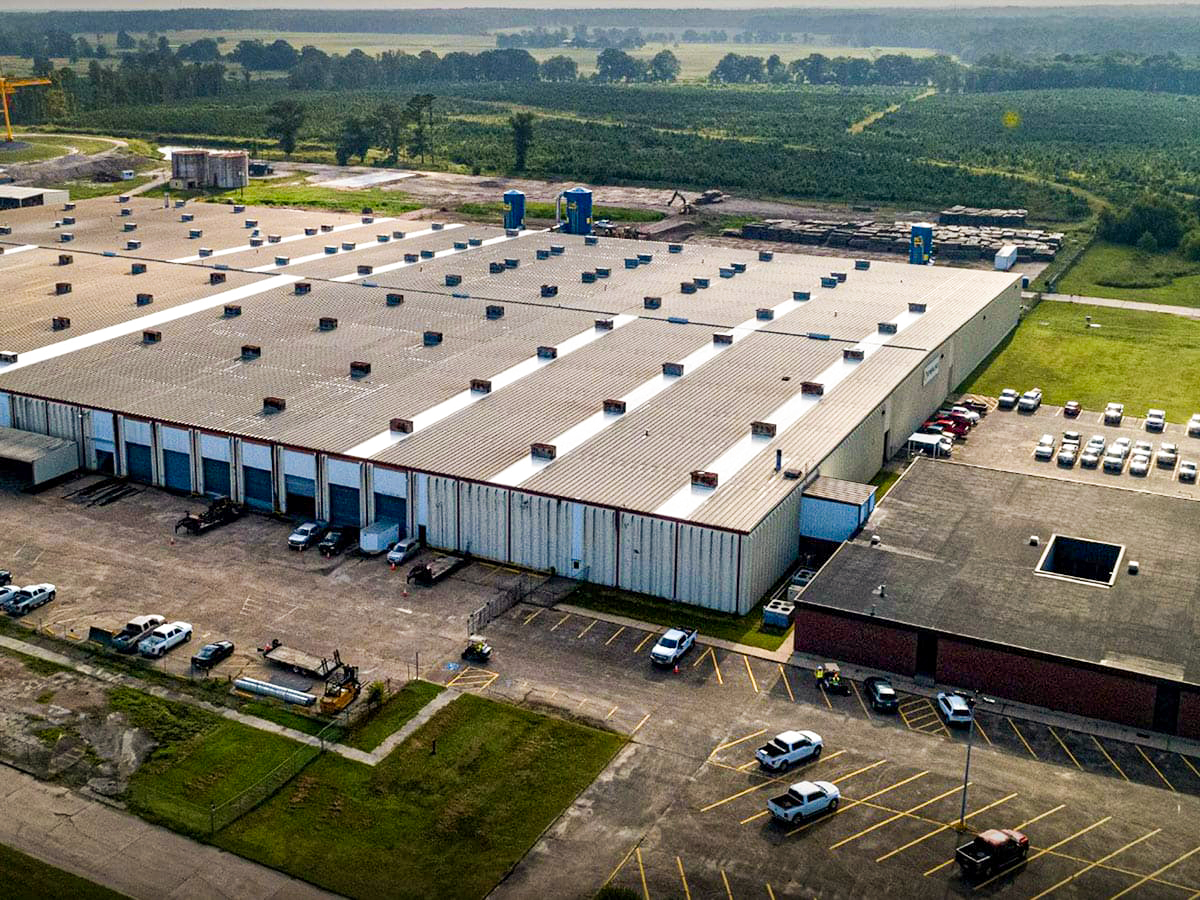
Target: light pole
[972,702]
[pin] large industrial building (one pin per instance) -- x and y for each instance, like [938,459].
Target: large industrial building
[1074,596]
[666,418]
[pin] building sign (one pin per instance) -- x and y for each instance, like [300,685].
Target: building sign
[931,369]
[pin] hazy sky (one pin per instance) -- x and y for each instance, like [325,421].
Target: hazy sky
[16,5]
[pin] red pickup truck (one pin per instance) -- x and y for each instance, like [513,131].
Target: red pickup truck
[991,851]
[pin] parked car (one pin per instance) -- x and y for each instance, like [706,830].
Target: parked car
[956,428]
[1072,437]
[5,577]
[1044,448]
[1114,462]
[1008,399]
[881,694]
[672,645]
[1089,460]
[1187,471]
[165,638]
[1072,409]
[403,550]
[211,654]
[1113,413]
[970,415]
[974,405]
[128,638]
[931,428]
[1156,420]
[1097,443]
[990,851]
[1143,448]
[1121,447]
[306,535]
[803,800]
[954,709]
[29,598]
[1167,456]
[785,750]
[950,416]
[7,593]
[1030,400]
[1139,465]
[1194,425]
[1067,455]
[336,540]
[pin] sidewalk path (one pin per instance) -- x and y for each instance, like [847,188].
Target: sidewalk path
[1189,312]
[124,853]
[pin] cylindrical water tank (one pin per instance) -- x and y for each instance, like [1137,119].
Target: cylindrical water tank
[514,210]
[579,211]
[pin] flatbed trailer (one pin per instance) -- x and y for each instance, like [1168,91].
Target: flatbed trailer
[430,573]
[300,662]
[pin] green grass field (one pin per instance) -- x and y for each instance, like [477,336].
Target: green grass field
[399,708]
[294,192]
[28,878]
[883,480]
[1133,358]
[422,823]
[1123,273]
[86,190]
[745,629]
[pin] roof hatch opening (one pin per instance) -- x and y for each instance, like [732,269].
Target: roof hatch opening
[1081,560]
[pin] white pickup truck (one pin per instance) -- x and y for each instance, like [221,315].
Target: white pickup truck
[803,800]
[789,748]
[672,645]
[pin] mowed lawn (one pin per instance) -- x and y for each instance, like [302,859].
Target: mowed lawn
[444,821]
[1140,359]
[27,878]
[1122,273]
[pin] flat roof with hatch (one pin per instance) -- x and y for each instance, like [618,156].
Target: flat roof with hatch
[955,555]
[606,371]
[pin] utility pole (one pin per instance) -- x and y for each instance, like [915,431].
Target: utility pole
[972,702]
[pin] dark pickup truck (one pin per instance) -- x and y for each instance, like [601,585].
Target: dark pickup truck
[991,851]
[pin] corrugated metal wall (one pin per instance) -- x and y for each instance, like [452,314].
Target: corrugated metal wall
[5,410]
[769,550]
[440,496]
[647,555]
[551,533]
[707,568]
[483,520]
[829,520]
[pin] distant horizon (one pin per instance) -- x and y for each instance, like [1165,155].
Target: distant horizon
[400,5]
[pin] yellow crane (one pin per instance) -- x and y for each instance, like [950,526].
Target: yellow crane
[8,86]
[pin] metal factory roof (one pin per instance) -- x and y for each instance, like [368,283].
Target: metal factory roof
[971,526]
[690,372]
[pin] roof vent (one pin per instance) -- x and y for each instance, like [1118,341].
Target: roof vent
[453,280]
[874,540]
[700,478]
[1034,540]
[366,270]
[251,351]
[194,233]
[65,237]
[460,245]
[330,249]
[765,256]
[474,242]
[187,217]
[309,231]
[541,253]
[140,269]
[494,312]
[398,235]
[557,249]
[631,262]
[151,336]
[614,407]
[853,354]
[437,226]
[549,290]
[274,238]
[232,311]
[547,352]
[216,277]
[652,302]
[360,369]
[674,248]
[644,258]
[840,276]
[133,245]
[302,287]
[764,315]
[63,287]
[495,268]
[426,254]
[249,223]
[327,323]
[394,299]
[274,405]
[65,259]
[7,356]
[433,338]
[723,337]
[348,245]
[511,262]
[701,282]
[738,268]
[404,426]
[591,240]
[368,220]
[917,307]
[68,220]
[812,388]
[512,232]
[862,264]
[587,277]
[127,212]
[204,252]
[687,287]
[411,257]
[326,228]
[763,429]
[1134,567]
[60,323]
[793,474]
[604,324]
[543,451]
[801,295]
[828,282]
[67,207]
[144,299]
[5,229]
[239,208]
[817,336]
[677,320]
[282,261]
[725,272]
[481,386]
[888,327]
[673,369]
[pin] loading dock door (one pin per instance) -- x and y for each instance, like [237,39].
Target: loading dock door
[392,509]
[300,496]
[177,470]
[258,490]
[140,466]
[216,477]
[343,505]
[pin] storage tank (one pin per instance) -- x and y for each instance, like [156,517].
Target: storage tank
[579,211]
[189,169]
[229,170]
[920,245]
[514,210]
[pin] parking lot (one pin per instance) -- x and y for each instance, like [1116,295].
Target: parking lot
[1005,439]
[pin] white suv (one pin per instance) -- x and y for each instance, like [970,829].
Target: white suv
[1156,420]
[1194,425]
[164,638]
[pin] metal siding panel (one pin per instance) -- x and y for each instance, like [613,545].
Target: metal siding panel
[300,487]
[301,465]
[64,421]
[484,521]
[257,456]
[390,482]
[177,470]
[343,473]
[828,520]
[137,432]
[29,414]
[647,555]
[214,447]
[5,410]
[139,463]
[536,530]
[177,439]
[600,545]
[102,426]
[708,568]
[392,509]
[259,487]
[442,527]
[769,550]
[58,462]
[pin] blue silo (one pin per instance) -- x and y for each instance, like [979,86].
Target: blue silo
[920,245]
[514,210]
[579,211]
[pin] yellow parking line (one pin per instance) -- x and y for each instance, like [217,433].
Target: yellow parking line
[979,728]
[849,775]
[770,893]
[757,815]
[824,696]
[687,894]
[529,618]
[1120,771]
[1024,824]
[753,683]
[716,668]
[758,787]
[744,766]
[1156,769]
[728,892]
[610,714]
[914,702]
[1066,750]
[589,628]
[1090,866]
[899,815]
[792,697]
[1022,737]
[1155,873]
[1187,762]
[638,648]
[639,725]
[866,711]
[642,871]
[740,740]
[616,635]
[560,621]
[1043,852]
[927,835]
[620,865]
[850,803]
[699,659]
